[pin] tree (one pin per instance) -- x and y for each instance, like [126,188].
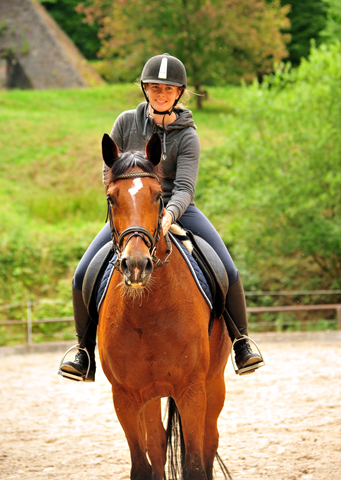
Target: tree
[219,41]
[307,20]
[85,36]
[278,179]
[332,30]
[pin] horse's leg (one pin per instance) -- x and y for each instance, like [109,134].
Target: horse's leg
[220,347]
[129,413]
[156,438]
[192,408]
[215,392]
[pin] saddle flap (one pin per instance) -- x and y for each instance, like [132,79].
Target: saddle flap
[215,264]
[93,277]
[212,268]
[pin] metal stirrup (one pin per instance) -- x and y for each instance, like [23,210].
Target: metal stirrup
[79,378]
[248,368]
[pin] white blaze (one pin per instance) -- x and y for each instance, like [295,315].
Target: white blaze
[137,186]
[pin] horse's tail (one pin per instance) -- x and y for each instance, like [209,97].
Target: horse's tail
[223,467]
[176,445]
[175,441]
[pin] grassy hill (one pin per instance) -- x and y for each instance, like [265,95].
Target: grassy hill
[52,201]
[269,181]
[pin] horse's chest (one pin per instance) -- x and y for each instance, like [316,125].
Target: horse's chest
[143,357]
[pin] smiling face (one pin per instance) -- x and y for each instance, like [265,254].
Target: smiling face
[162,97]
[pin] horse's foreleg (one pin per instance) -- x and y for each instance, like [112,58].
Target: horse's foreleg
[215,394]
[129,413]
[156,437]
[192,408]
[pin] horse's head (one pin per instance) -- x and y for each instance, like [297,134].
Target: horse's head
[135,208]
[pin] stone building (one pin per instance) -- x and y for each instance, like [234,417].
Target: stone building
[36,53]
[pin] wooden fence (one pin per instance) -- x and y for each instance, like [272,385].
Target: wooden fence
[29,322]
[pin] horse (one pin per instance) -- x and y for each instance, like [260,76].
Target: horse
[153,330]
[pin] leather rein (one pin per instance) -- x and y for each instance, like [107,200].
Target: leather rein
[151,241]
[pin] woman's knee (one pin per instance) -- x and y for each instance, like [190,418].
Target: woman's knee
[99,241]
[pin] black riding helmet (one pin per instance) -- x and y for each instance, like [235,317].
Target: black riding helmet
[167,70]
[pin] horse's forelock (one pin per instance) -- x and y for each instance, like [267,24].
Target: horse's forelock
[126,162]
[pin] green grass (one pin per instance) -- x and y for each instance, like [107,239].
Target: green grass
[260,183]
[52,201]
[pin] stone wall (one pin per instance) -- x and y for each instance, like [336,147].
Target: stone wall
[38,53]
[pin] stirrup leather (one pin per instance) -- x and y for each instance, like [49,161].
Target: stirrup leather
[72,376]
[248,368]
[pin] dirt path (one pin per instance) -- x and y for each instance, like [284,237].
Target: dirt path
[282,423]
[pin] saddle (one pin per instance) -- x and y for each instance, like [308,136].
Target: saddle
[210,265]
[205,257]
[93,277]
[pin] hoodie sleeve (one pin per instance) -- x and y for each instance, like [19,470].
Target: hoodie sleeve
[186,174]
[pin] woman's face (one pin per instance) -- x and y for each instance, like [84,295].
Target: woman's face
[162,97]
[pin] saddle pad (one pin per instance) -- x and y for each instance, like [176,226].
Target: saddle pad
[191,262]
[197,274]
[104,284]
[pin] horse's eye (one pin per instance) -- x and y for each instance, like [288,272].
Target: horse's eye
[111,200]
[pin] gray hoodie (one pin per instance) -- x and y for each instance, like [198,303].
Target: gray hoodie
[181,151]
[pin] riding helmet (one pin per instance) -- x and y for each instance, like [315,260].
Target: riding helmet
[167,70]
[164,69]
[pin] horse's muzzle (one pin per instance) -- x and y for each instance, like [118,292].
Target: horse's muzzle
[136,270]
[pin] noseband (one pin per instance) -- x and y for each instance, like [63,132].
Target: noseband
[150,240]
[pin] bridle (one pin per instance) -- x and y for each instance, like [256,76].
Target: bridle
[151,241]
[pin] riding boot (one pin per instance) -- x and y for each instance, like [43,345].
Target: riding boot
[246,360]
[86,333]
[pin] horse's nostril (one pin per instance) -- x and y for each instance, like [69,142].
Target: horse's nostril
[124,266]
[149,267]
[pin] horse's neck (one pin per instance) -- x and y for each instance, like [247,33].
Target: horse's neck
[171,268]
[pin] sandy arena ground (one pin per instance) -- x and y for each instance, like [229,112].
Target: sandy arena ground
[281,423]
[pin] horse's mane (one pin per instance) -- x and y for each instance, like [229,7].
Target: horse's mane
[127,161]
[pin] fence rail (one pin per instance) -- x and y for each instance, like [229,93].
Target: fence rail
[29,322]
[336,307]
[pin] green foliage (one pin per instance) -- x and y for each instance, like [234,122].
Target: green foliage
[85,36]
[307,20]
[218,40]
[3,26]
[277,185]
[269,181]
[332,30]
[52,201]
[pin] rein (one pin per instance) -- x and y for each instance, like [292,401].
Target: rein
[151,241]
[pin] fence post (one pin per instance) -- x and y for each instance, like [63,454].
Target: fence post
[29,322]
[338,311]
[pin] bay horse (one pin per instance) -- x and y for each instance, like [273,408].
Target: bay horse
[153,327]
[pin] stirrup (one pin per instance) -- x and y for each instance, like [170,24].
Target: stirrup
[72,376]
[248,368]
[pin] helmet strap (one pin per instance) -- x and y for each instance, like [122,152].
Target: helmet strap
[166,112]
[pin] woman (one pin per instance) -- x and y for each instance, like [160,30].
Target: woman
[163,82]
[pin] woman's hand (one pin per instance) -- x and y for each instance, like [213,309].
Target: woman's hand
[166,222]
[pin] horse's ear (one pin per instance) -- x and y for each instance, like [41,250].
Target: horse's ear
[109,150]
[154,149]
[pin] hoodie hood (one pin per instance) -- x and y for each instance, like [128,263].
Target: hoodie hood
[184,120]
